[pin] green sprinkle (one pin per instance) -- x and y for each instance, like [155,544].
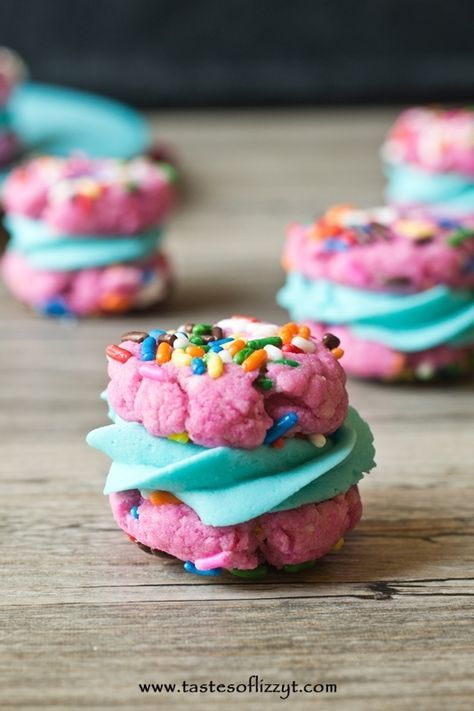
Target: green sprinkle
[201,329]
[196,341]
[132,187]
[262,342]
[170,172]
[254,574]
[459,236]
[241,355]
[264,383]
[299,566]
[286,361]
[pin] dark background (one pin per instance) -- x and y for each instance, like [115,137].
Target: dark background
[166,53]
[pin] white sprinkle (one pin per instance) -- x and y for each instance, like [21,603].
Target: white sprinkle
[273,352]
[304,343]
[425,371]
[225,356]
[319,440]
[263,330]
[181,341]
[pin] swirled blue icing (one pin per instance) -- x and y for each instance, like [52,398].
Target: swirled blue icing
[45,250]
[408,184]
[226,486]
[407,322]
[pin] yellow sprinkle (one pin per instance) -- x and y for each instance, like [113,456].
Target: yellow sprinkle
[180,358]
[337,546]
[90,188]
[414,229]
[215,366]
[319,440]
[181,437]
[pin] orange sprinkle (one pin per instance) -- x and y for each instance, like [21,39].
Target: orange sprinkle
[286,335]
[158,498]
[163,353]
[337,353]
[195,351]
[286,263]
[255,360]
[115,302]
[334,214]
[236,346]
[304,331]
[287,331]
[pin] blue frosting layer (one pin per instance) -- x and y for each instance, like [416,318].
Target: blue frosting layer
[408,184]
[409,323]
[227,486]
[5,119]
[45,250]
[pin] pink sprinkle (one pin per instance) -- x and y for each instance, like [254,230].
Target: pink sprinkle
[220,560]
[151,371]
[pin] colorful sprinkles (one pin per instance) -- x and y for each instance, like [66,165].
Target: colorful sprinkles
[206,350]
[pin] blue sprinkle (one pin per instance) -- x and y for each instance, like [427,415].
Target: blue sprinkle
[448,224]
[281,426]
[55,307]
[198,366]
[134,512]
[214,347]
[220,342]
[148,349]
[335,245]
[148,275]
[468,266]
[191,568]
[156,333]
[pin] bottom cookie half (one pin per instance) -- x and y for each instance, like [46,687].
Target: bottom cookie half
[283,538]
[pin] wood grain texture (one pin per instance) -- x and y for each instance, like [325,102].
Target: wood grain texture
[86,616]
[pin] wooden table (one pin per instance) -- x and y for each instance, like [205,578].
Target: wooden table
[86,616]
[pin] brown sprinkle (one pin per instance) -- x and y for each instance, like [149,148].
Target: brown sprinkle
[207,339]
[167,338]
[217,332]
[135,336]
[331,341]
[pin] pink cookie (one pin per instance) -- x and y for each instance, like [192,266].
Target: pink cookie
[428,158]
[369,359]
[382,249]
[283,538]
[107,290]
[395,286]
[12,72]
[233,445]
[231,410]
[86,196]
[434,139]
[85,234]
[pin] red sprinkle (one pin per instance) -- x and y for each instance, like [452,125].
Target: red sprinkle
[290,348]
[278,443]
[117,353]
